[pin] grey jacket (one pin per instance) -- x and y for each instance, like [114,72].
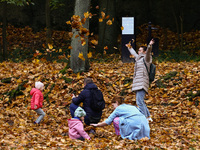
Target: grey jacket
[141,77]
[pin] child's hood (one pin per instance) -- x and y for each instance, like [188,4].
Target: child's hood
[74,122]
[34,90]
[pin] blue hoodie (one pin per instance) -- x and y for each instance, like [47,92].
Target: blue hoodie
[133,124]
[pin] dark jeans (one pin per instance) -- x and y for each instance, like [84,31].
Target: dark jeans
[87,119]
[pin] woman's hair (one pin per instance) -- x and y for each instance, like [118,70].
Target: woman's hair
[118,99]
[88,80]
[144,48]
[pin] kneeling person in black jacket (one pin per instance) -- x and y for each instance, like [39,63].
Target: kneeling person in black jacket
[93,102]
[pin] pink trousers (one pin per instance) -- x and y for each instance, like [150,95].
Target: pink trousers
[116,125]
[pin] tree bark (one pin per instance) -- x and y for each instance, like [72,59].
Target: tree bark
[108,33]
[4,30]
[177,27]
[181,23]
[77,64]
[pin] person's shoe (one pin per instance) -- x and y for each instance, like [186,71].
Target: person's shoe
[36,123]
[149,119]
[92,131]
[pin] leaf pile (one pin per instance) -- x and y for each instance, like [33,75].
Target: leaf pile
[27,40]
[168,40]
[173,101]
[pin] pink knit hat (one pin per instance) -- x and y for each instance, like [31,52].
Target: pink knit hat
[39,85]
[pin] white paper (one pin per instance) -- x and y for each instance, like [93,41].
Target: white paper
[128,25]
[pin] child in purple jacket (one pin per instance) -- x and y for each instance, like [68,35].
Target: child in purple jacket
[76,128]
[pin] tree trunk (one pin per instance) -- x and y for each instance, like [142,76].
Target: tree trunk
[108,33]
[165,41]
[77,64]
[177,28]
[181,20]
[48,28]
[4,30]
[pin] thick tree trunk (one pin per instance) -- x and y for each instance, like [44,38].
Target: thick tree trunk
[4,30]
[77,64]
[108,33]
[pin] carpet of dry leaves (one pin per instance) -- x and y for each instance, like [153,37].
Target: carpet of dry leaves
[176,120]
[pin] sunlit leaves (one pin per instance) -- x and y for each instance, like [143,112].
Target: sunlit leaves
[50,46]
[70,34]
[103,15]
[83,20]
[89,55]
[109,22]
[36,61]
[100,20]
[60,50]
[95,42]
[81,56]
[69,47]
[175,118]
[19,81]
[68,22]
[107,17]
[76,22]
[78,74]
[106,48]
[87,15]
[84,31]
[83,42]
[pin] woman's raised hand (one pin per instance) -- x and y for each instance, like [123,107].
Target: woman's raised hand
[128,45]
[151,42]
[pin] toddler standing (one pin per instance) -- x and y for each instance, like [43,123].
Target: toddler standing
[36,100]
[76,128]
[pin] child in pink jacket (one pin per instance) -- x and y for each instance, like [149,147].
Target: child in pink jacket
[36,100]
[76,128]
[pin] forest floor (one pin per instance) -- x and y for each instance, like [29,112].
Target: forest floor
[173,101]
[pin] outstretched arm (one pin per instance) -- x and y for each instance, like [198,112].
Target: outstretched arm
[99,124]
[148,52]
[77,100]
[131,50]
[108,121]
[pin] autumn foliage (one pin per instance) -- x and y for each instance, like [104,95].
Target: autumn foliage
[174,110]
[29,41]
[173,98]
